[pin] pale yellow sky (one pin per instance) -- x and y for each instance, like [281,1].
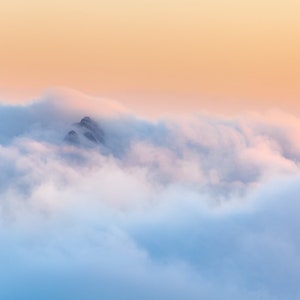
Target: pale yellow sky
[226,54]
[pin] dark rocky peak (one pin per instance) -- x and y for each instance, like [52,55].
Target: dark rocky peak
[87,122]
[86,132]
[72,137]
[72,133]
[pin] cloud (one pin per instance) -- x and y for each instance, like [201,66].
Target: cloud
[196,208]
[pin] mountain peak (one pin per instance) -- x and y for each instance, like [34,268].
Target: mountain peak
[87,132]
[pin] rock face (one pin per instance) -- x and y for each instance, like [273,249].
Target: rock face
[72,137]
[87,133]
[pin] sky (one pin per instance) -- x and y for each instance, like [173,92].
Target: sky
[149,150]
[155,55]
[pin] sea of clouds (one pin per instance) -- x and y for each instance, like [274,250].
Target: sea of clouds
[187,207]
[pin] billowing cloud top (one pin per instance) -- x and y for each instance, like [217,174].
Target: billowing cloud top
[202,207]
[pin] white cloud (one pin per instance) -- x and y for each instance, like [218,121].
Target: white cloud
[205,208]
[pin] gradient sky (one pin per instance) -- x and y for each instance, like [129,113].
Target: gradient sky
[155,55]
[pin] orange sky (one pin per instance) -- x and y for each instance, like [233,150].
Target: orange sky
[172,54]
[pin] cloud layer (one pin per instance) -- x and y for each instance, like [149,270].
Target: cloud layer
[200,207]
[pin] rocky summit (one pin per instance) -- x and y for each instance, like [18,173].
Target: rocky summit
[87,132]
